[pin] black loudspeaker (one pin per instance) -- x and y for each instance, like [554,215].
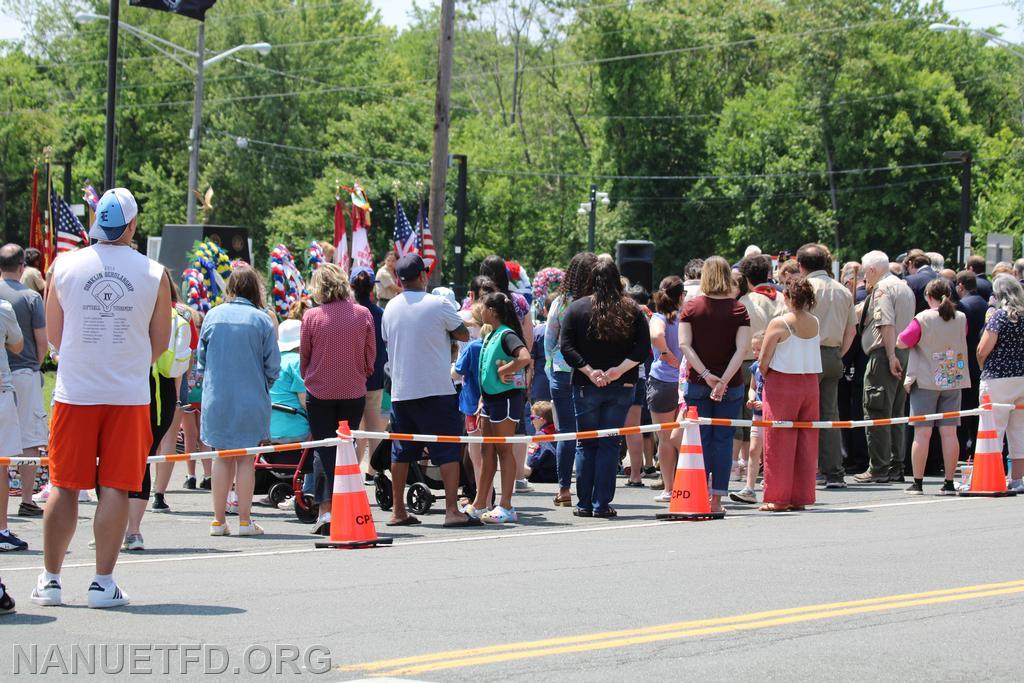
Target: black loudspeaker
[635,259]
[177,242]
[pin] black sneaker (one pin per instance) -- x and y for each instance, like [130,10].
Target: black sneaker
[6,601]
[190,483]
[8,541]
[206,484]
[29,509]
[948,489]
[914,489]
[158,503]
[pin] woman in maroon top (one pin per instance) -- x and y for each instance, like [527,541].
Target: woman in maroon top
[714,334]
[336,355]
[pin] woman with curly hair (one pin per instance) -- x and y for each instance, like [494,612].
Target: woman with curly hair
[575,285]
[604,338]
[790,362]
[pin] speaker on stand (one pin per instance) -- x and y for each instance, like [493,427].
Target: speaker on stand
[635,259]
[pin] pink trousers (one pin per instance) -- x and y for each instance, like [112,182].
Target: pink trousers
[790,455]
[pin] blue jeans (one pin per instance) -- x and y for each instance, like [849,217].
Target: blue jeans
[717,441]
[565,421]
[597,460]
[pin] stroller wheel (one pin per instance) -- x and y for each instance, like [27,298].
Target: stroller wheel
[419,498]
[279,492]
[306,509]
[382,489]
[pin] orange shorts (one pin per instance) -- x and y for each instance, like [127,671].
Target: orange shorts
[118,436]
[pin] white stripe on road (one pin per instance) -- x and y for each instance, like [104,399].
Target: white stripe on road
[228,555]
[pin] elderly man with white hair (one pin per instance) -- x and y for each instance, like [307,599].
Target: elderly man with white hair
[887,311]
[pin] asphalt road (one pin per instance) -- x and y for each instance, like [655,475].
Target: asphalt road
[867,584]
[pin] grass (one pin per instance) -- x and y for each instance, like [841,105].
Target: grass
[49,379]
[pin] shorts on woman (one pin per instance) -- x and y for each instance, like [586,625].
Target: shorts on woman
[662,397]
[932,401]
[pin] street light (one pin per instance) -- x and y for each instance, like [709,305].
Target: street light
[950,28]
[176,54]
[591,208]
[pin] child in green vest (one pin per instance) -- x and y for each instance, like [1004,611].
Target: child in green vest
[503,360]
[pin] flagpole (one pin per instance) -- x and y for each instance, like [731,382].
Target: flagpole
[439,160]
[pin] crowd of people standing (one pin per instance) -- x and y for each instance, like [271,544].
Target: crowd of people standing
[786,341]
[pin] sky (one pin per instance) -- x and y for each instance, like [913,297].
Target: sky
[982,14]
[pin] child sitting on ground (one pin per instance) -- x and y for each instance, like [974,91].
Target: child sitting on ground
[541,466]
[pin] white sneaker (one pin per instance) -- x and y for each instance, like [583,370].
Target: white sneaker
[47,594]
[84,497]
[218,529]
[664,497]
[1016,485]
[744,495]
[250,529]
[133,542]
[43,494]
[232,504]
[288,504]
[523,486]
[100,598]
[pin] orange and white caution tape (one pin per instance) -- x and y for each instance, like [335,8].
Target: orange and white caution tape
[547,438]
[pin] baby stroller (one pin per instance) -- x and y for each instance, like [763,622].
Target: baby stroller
[282,473]
[424,479]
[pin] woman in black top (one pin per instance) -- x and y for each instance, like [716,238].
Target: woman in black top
[604,338]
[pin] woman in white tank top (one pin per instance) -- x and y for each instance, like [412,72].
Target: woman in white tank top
[790,362]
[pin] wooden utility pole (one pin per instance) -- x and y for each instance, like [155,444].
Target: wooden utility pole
[439,160]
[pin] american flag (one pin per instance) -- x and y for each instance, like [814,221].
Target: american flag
[69,230]
[425,241]
[405,239]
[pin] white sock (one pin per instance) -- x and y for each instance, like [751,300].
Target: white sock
[104,580]
[46,577]
[4,531]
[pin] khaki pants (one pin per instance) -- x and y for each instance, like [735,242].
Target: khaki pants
[830,447]
[885,397]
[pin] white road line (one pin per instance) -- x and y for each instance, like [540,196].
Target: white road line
[488,537]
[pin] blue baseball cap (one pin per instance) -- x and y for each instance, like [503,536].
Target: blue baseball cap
[114,211]
[358,270]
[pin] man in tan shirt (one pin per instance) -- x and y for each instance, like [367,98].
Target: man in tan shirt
[887,311]
[837,327]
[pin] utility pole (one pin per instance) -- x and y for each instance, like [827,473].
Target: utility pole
[592,227]
[963,233]
[460,227]
[108,157]
[439,160]
[965,208]
[197,122]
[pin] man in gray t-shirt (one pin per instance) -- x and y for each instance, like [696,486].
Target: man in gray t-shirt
[10,436]
[25,367]
[419,329]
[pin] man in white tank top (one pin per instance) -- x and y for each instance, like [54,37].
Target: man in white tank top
[108,317]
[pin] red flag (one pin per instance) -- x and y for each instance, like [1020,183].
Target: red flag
[35,231]
[341,256]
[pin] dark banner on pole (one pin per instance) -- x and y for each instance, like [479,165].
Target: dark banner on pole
[195,9]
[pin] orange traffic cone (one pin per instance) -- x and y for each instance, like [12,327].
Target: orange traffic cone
[351,522]
[988,478]
[690,489]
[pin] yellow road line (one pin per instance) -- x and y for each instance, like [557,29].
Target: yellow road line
[686,629]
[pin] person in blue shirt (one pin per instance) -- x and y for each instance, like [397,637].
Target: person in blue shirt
[467,365]
[375,418]
[754,392]
[239,360]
